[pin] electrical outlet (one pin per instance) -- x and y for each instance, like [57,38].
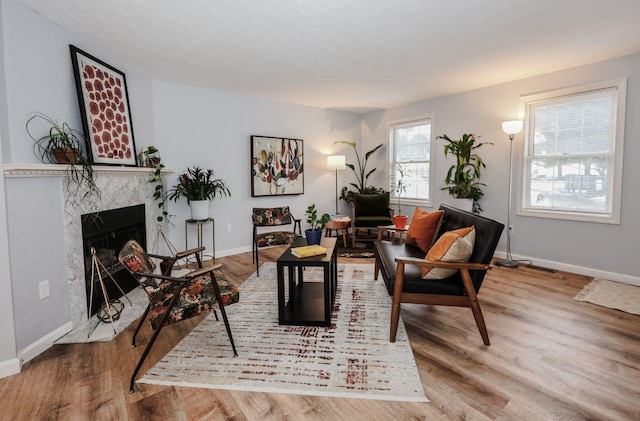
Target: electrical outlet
[228,227]
[43,287]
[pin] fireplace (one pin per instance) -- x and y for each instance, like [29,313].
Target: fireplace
[107,231]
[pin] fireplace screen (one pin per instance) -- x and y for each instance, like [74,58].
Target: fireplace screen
[107,231]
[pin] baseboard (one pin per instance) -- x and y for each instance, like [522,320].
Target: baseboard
[9,367]
[44,343]
[231,252]
[580,270]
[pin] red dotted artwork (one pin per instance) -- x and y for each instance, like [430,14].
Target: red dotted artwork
[106,111]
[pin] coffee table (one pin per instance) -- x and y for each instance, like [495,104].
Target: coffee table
[303,303]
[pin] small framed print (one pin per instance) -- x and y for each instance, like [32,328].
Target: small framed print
[276,166]
[104,106]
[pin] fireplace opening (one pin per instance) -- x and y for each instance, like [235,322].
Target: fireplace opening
[107,231]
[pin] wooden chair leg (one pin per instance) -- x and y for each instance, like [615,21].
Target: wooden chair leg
[475,305]
[395,304]
[142,319]
[216,289]
[165,316]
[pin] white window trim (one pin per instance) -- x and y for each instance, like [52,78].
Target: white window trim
[390,150]
[614,216]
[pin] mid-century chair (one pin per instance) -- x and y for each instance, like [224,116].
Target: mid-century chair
[268,218]
[173,299]
[369,211]
[401,267]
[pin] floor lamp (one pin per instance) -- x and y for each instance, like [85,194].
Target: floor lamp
[511,128]
[336,162]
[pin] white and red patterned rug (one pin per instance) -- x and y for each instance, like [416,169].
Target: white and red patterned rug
[352,358]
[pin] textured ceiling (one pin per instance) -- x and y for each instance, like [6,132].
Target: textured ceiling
[354,55]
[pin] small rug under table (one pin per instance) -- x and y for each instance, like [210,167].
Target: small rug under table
[352,358]
[612,294]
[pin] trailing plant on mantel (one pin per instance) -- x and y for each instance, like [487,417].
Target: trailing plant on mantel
[58,143]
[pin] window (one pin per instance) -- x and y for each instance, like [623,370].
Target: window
[573,153]
[410,147]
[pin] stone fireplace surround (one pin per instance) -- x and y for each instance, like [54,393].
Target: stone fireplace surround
[120,187]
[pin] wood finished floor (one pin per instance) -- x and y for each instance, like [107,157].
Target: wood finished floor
[551,358]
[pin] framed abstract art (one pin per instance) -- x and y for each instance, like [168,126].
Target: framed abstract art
[276,166]
[104,107]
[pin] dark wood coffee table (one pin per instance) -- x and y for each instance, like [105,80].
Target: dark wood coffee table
[307,303]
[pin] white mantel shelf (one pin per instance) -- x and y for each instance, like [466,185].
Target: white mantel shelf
[57,170]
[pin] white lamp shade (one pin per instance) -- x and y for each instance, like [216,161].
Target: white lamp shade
[336,162]
[512,127]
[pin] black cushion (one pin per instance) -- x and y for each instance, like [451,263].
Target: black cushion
[371,204]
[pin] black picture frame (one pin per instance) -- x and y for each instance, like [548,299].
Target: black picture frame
[104,106]
[277,166]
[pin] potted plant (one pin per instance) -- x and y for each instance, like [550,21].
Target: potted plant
[463,178]
[199,187]
[399,188]
[361,174]
[314,234]
[149,156]
[60,144]
[155,177]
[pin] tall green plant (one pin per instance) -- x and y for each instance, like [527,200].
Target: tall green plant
[361,173]
[463,178]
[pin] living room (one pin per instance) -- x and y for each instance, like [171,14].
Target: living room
[211,128]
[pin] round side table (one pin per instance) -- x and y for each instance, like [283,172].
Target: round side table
[338,224]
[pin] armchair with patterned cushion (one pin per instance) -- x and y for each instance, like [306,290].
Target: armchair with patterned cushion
[173,299]
[369,211]
[264,220]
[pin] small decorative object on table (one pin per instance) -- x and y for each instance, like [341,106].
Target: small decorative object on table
[314,234]
[308,251]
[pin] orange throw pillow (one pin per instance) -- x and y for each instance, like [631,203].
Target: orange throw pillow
[452,246]
[423,228]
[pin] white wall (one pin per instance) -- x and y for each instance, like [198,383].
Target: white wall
[596,249]
[213,129]
[38,76]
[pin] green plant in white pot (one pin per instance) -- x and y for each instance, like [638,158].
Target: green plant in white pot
[463,178]
[317,223]
[199,187]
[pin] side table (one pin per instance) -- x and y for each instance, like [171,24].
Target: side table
[390,231]
[199,225]
[343,223]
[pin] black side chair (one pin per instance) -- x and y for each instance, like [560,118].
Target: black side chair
[173,299]
[400,266]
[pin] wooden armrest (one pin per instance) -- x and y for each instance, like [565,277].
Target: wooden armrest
[185,253]
[161,256]
[382,230]
[203,270]
[165,277]
[449,265]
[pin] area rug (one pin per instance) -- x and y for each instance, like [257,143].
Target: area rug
[352,358]
[612,294]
